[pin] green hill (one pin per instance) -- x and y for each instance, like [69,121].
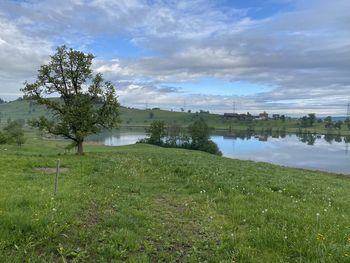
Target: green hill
[140,118]
[130,117]
[143,203]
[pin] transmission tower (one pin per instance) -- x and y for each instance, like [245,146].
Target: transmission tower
[348,117]
[234,107]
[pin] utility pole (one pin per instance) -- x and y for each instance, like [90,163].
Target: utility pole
[234,106]
[348,117]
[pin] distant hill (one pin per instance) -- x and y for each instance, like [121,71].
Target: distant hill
[24,109]
[336,118]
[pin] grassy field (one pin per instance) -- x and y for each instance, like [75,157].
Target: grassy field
[141,203]
[142,118]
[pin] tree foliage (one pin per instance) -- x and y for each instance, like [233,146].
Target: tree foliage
[347,122]
[174,136]
[200,138]
[338,125]
[13,133]
[86,105]
[328,122]
[308,121]
[156,132]
[3,138]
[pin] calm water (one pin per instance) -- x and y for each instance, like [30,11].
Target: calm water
[307,151]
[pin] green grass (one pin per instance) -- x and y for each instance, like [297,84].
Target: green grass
[143,203]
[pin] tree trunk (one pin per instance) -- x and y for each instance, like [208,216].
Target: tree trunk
[80,148]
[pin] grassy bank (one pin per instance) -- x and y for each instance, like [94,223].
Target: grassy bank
[142,203]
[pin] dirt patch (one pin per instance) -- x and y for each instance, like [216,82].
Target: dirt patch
[90,217]
[50,170]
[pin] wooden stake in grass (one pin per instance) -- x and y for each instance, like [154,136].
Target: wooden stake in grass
[56,177]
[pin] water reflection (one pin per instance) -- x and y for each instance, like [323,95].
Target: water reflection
[304,150]
[310,151]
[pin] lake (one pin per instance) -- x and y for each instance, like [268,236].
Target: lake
[316,152]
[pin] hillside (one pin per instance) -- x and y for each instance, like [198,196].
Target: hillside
[142,118]
[142,203]
[130,117]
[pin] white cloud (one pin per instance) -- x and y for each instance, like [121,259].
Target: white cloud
[303,53]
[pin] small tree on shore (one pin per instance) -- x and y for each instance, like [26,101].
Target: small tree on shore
[328,123]
[156,132]
[200,137]
[86,105]
[347,122]
[312,118]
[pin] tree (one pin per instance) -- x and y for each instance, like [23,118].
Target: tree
[328,122]
[200,137]
[199,132]
[312,118]
[14,132]
[156,132]
[283,118]
[79,111]
[347,122]
[304,122]
[338,125]
[308,121]
[174,134]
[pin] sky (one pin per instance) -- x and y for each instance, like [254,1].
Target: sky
[280,56]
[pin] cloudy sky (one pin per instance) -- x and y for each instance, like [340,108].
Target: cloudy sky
[283,56]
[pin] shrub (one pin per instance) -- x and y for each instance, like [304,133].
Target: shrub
[14,132]
[3,138]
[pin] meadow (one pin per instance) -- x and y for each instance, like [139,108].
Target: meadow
[142,203]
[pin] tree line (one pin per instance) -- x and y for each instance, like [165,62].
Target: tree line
[195,137]
[310,120]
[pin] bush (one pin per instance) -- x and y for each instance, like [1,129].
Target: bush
[3,138]
[210,147]
[14,132]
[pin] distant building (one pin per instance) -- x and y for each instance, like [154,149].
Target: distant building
[264,116]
